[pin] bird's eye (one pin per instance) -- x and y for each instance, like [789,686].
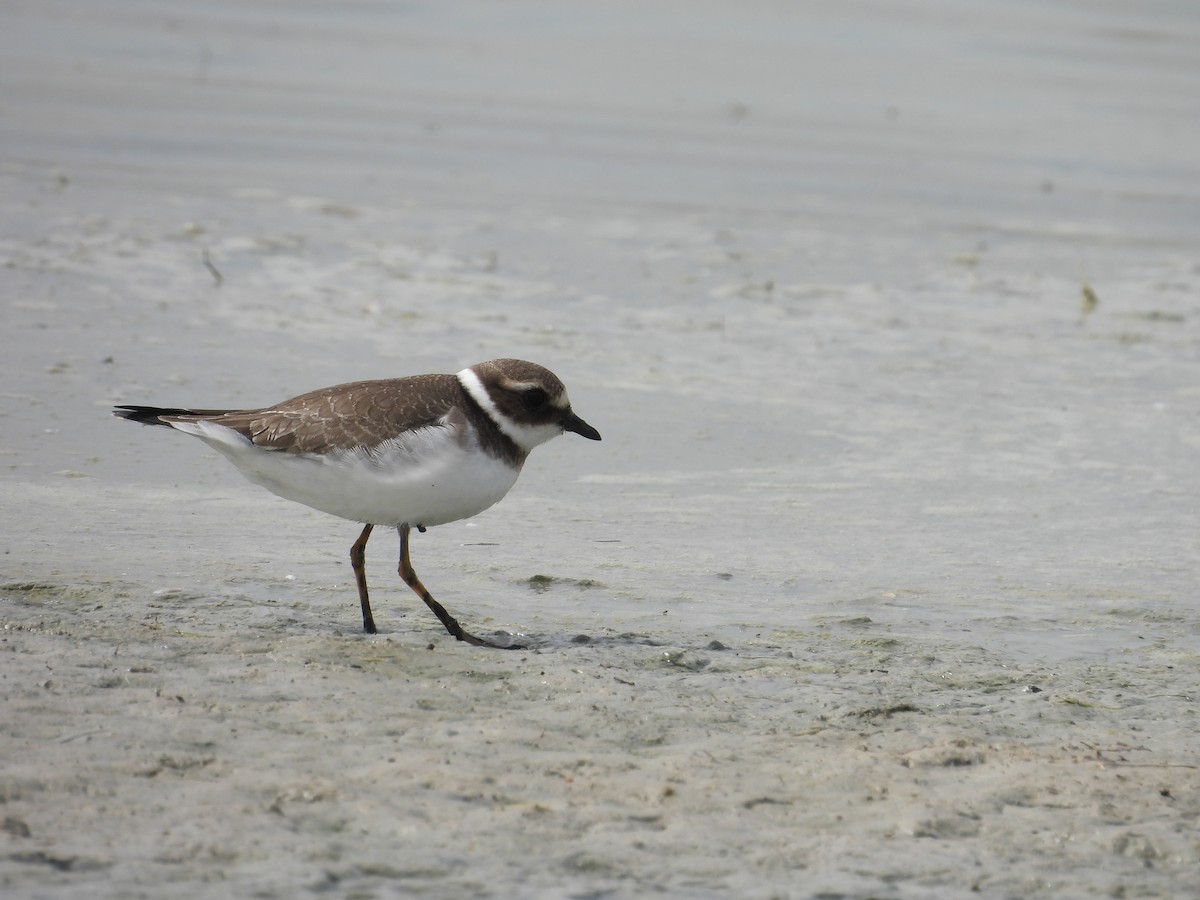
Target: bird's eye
[534,398]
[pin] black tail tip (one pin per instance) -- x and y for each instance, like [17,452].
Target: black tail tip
[146,415]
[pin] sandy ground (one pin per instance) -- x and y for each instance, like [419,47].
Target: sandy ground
[881,584]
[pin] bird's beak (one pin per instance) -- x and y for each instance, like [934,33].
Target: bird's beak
[573,423]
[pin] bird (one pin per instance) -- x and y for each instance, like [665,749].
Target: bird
[410,452]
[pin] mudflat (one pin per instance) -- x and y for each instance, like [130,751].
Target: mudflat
[881,584]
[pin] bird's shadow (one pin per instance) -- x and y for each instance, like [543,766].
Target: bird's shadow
[509,640]
[504,640]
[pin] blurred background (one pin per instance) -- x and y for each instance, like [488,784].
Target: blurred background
[862,295]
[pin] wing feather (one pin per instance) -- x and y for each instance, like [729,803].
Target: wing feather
[361,414]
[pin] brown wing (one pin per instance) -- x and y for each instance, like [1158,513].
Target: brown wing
[358,414]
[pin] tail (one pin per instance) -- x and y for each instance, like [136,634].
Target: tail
[157,415]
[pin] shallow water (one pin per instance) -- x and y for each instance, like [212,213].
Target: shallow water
[886,565]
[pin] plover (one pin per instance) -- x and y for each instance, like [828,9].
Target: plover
[403,452]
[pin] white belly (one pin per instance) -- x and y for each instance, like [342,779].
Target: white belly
[429,478]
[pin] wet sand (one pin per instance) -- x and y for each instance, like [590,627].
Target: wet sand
[881,583]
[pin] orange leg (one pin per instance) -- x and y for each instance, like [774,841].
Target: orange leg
[451,623]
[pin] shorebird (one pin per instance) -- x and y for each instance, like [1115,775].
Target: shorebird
[402,452]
